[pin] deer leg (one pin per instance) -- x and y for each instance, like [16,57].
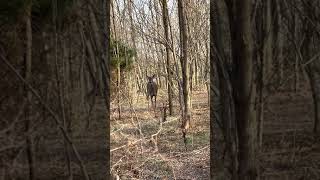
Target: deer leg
[154,106]
[151,102]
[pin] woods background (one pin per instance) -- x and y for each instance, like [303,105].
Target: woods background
[73,80]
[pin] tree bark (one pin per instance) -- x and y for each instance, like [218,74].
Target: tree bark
[106,56]
[222,105]
[268,40]
[184,57]
[213,23]
[313,68]
[60,79]
[296,63]
[28,74]
[244,91]
[118,65]
[280,39]
[166,34]
[314,80]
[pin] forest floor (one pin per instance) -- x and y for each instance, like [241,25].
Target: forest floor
[50,157]
[141,148]
[289,150]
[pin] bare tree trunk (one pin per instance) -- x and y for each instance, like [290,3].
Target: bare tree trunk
[61,85]
[260,75]
[186,116]
[244,90]
[118,65]
[63,97]
[313,68]
[69,81]
[97,42]
[196,64]
[268,41]
[184,57]
[134,43]
[296,64]
[280,39]
[266,64]
[314,80]
[28,74]
[166,34]
[106,46]
[213,24]
[224,114]
[119,89]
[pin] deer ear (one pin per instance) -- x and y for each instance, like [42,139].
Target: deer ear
[153,76]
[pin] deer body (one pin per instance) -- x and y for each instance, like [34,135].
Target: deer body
[152,90]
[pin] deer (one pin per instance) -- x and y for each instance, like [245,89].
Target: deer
[152,91]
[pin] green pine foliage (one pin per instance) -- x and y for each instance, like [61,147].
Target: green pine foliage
[121,54]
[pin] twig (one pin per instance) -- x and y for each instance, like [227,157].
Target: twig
[126,145]
[3,131]
[51,112]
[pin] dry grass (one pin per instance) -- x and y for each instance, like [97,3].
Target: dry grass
[142,148]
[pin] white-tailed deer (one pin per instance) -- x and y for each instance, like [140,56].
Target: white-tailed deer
[152,90]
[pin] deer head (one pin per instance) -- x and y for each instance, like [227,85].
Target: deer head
[151,79]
